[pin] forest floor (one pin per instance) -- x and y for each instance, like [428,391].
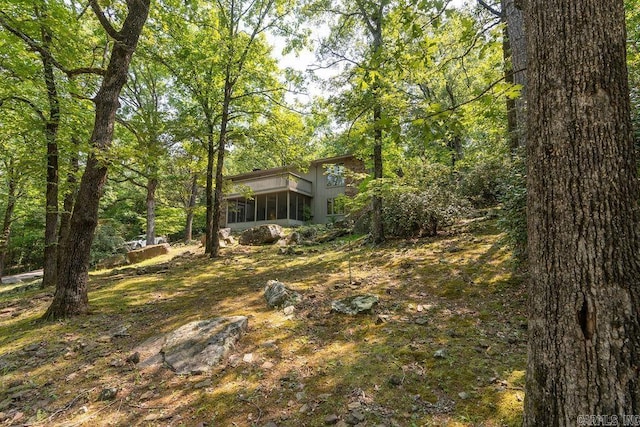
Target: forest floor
[445,346]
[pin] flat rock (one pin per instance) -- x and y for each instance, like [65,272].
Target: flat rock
[355,304]
[278,295]
[195,347]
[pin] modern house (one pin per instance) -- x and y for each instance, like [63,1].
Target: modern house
[287,196]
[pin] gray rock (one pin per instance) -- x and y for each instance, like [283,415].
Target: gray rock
[278,295]
[440,354]
[194,347]
[11,280]
[331,419]
[261,235]
[355,304]
[108,394]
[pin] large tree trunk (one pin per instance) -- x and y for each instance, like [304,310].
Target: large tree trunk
[515,52]
[584,245]
[193,195]
[152,185]
[69,198]
[51,135]
[71,291]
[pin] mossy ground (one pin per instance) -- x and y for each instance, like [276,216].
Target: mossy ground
[454,293]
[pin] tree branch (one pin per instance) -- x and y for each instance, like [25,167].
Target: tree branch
[490,8]
[117,35]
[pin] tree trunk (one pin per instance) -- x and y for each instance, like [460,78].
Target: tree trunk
[51,135]
[377,226]
[211,150]
[69,198]
[222,145]
[193,194]
[152,184]
[515,52]
[583,241]
[5,234]
[71,291]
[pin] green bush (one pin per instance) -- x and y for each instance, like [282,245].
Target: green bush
[513,215]
[480,179]
[107,242]
[419,213]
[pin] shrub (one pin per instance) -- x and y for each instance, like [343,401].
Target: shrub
[107,242]
[419,213]
[513,215]
[480,180]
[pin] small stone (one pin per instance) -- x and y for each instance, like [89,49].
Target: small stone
[289,310]
[134,358]
[267,365]
[203,384]
[463,395]
[342,423]
[104,339]
[353,405]
[323,397]
[421,321]
[300,395]
[117,363]
[248,358]
[108,394]
[331,419]
[156,417]
[270,424]
[147,395]
[304,409]
[382,318]
[440,354]
[395,380]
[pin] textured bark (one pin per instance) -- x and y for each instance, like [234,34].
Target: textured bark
[211,155]
[584,247]
[214,238]
[377,226]
[152,185]
[71,289]
[69,198]
[515,48]
[193,195]
[51,135]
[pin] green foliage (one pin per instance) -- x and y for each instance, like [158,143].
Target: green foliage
[480,180]
[107,242]
[513,215]
[409,212]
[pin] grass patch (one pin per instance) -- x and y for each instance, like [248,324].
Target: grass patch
[446,345]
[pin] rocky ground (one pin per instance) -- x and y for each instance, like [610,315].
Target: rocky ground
[444,345]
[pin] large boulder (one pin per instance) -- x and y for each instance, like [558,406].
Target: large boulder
[147,252]
[195,347]
[355,304]
[278,295]
[261,235]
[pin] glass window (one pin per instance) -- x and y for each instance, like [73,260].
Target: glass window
[335,175]
[231,211]
[251,210]
[334,207]
[293,203]
[271,207]
[282,205]
[262,207]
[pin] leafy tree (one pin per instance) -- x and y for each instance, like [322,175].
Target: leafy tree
[71,289]
[582,209]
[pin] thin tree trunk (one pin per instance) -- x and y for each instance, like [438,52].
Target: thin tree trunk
[51,135]
[69,198]
[377,225]
[152,185]
[211,150]
[583,239]
[71,296]
[515,52]
[193,194]
[222,144]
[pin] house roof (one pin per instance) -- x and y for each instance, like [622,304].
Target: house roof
[273,171]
